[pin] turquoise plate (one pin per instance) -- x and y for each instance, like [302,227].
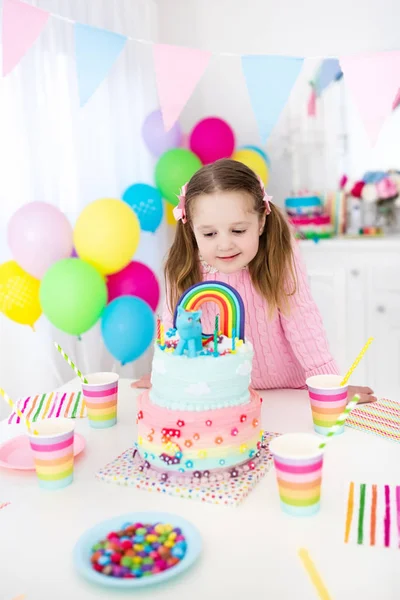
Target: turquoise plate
[83,549]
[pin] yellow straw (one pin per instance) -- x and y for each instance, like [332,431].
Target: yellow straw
[313,574]
[19,413]
[355,363]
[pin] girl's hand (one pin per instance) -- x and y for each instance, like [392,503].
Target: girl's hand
[143,382]
[365,393]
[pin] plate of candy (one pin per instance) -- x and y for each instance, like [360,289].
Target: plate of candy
[137,550]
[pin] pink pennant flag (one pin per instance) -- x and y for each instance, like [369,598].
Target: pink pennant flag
[22,24]
[373,80]
[178,71]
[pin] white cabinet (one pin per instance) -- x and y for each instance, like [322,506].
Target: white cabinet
[356,285]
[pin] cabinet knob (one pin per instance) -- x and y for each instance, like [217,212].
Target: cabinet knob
[381,309]
[355,272]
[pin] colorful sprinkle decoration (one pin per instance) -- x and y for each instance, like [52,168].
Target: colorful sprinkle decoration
[124,471]
[139,550]
[373,515]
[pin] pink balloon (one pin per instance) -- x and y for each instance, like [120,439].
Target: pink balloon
[212,139]
[39,235]
[136,279]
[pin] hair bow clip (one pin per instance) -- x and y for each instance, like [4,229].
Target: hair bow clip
[179,211]
[267,198]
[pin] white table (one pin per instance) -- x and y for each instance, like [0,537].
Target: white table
[249,551]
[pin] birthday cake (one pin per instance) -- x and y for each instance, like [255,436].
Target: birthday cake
[303,206]
[200,419]
[306,214]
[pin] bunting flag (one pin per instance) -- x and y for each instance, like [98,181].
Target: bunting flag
[269,82]
[373,80]
[21,26]
[178,71]
[328,72]
[96,51]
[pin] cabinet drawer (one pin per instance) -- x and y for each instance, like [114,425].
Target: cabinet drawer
[386,278]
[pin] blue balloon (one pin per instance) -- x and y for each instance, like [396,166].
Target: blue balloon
[127,327]
[146,201]
[260,152]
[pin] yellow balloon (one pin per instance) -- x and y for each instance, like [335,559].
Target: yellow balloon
[254,161]
[19,294]
[107,234]
[169,214]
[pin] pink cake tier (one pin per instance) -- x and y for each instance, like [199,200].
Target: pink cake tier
[199,442]
[311,227]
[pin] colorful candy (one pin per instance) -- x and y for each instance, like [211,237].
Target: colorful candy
[139,550]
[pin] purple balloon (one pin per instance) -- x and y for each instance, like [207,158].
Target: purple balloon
[74,254]
[39,235]
[156,138]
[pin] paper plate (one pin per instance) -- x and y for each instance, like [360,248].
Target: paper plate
[83,549]
[17,454]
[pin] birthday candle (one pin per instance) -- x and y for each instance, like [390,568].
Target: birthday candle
[158,328]
[216,335]
[162,341]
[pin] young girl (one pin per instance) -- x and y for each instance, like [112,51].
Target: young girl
[228,230]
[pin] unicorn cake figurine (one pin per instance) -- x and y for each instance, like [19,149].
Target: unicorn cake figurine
[201,420]
[189,327]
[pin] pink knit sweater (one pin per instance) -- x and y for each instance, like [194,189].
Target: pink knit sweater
[287,350]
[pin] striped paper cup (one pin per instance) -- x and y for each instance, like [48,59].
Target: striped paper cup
[298,466]
[328,400]
[101,396]
[53,452]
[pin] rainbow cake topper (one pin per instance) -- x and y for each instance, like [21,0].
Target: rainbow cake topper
[228,300]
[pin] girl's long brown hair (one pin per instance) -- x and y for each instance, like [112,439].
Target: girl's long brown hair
[271,270]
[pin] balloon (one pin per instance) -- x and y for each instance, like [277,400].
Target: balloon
[107,234]
[211,139]
[135,280]
[39,235]
[169,214]
[260,152]
[73,295]
[146,201]
[156,138]
[254,161]
[74,254]
[173,170]
[19,294]
[127,327]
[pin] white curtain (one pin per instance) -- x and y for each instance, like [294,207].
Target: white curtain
[54,151]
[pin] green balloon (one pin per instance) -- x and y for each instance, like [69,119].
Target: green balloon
[73,295]
[174,169]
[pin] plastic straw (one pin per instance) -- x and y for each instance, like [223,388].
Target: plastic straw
[355,363]
[313,574]
[71,364]
[341,419]
[19,413]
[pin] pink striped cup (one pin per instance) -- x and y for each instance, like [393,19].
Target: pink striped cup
[101,397]
[298,465]
[53,452]
[328,399]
